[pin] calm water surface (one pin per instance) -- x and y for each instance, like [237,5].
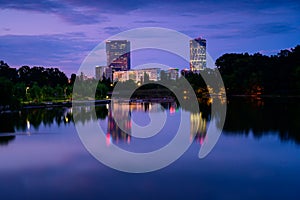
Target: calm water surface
[257,155]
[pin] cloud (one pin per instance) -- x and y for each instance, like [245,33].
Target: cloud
[218,26]
[66,50]
[65,11]
[147,22]
[111,30]
[274,28]
[252,31]
[55,6]
[91,11]
[227,24]
[111,6]
[6,29]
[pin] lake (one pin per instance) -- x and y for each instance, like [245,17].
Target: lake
[256,156]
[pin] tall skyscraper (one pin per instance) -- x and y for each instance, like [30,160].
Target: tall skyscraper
[197,54]
[118,55]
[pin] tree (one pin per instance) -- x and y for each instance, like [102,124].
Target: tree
[24,74]
[47,93]
[259,74]
[101,91]
[7,72]
[72,79]
[35,93]
[6,91]
[58,91]
[19,91]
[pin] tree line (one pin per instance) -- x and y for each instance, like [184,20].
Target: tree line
[245,74]
[260,74]
[242,73]
[34,84]
[38,84]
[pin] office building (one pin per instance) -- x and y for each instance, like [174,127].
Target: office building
[108,73]
[197,54]
[118,55]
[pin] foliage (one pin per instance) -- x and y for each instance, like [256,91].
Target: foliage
[259,74]
[34,84]
[6,91]
[89,89]
[242,74]
[42,76]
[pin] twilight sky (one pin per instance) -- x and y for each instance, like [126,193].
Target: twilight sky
[61,33]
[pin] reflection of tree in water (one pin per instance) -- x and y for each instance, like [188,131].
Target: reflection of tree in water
[265,116]
[4,140]
[198,120]
[7,122]
[204,107]
[85,114]
[260,116]
[12,122]
[47,117]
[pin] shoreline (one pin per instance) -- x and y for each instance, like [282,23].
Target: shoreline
[144,100]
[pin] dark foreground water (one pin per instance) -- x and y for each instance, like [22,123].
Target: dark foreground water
[257,155]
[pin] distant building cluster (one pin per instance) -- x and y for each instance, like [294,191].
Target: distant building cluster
[147,74]
[138,75]
[118,63]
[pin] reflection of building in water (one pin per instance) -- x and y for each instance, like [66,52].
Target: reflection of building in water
[118,112]
[146,106]
[121,113]
[198,127]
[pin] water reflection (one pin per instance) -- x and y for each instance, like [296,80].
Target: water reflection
[198,127]
[4,140]
[244,116]
[119,119]
[118,112]
[278,116]
[26,119]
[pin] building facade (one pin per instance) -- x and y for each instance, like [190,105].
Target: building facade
[173,73]
[197,54]
[138,75]
[118,55]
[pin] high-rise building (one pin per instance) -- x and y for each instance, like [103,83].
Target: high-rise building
[197,54]
[118,55]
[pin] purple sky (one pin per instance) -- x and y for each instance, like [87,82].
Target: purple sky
[54,33]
